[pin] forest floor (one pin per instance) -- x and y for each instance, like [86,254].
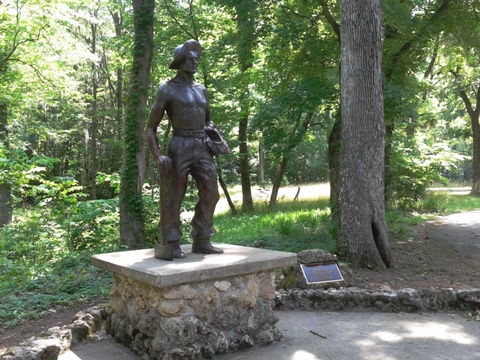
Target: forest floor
[444,253]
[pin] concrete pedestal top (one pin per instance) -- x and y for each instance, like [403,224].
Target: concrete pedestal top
[141,265]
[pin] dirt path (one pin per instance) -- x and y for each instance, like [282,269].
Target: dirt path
[462,231]
[444,253]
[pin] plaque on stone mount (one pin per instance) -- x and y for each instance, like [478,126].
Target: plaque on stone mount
[321,273]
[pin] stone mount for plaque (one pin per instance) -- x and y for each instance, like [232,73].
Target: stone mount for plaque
[196,307]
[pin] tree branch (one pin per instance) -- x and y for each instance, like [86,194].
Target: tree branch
[43,79]
[330,19]
[175,20]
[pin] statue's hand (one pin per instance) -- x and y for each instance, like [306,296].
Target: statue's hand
[165,163]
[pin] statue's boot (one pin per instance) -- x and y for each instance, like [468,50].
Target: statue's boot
[177,250]
[204,246]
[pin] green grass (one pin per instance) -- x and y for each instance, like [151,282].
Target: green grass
[294,226]
[444,202]
[64,282]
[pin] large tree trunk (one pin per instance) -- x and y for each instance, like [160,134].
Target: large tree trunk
[363,234]
[474,115]
[131,220]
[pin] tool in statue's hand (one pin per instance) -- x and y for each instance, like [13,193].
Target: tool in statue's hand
[163,250]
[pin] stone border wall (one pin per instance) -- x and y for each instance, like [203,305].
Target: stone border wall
[403,300]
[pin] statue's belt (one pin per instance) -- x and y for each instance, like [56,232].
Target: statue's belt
[189,133]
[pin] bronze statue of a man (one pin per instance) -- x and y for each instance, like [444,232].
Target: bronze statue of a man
[186,103]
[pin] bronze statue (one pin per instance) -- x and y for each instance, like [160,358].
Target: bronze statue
[186,103]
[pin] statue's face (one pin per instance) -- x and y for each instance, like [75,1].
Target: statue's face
[191,63]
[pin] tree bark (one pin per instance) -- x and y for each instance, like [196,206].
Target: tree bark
[272,204]
[363,237]
[476,158]
[474,115]
[334,138]
[131,219]
[245,11]
[227,194]
[6,207]
[118,22]
[334,145]
[261,161]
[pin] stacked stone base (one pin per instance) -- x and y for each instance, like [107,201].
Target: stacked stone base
[195,320]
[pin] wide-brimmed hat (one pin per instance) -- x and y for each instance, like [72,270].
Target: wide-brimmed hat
[181,52]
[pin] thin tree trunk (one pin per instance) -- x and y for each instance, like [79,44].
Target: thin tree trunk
[247,202]
[227,194]
[94,124]
[118,22]
[261,161]
[245,11]
[334,139]
[6,207]
[131,207]
[363,234]
[272,204]
[334,145]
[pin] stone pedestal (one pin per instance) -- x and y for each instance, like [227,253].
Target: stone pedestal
[196,307]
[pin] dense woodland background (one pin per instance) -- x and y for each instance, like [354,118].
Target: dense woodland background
[272,70]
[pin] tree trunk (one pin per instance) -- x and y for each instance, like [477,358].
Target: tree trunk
[246,14]
[261,161]
[5,204]
[227,194]
[118,22]
[247,200]
[476,158]
[93,128]
[272,204]
[334,139]
[334,144]
[6,207]
[474,115]
[131,219]
[363,237]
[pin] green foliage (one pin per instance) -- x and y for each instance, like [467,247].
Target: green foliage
[32,179]
[415,165]
[46,257]
[92,225]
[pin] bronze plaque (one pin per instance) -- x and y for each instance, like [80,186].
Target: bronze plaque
[321,273]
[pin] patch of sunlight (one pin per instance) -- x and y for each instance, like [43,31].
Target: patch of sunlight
[429,330]
[440,331]
[304,355]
